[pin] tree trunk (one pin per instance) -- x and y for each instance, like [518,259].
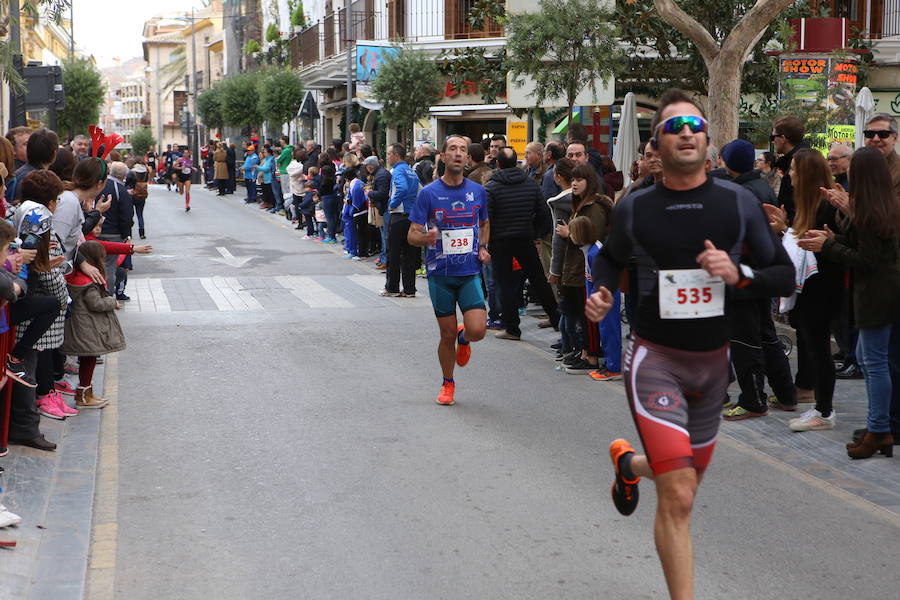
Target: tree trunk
[724,99]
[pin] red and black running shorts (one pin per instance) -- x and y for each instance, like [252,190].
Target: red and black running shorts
[676,399]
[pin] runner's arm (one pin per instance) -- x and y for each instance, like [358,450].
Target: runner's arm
[484,236]
[776,278]
[418,237]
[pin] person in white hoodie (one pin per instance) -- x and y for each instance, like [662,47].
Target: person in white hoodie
[297,183]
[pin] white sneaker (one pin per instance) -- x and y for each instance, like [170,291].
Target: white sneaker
[812,420]
[8,518]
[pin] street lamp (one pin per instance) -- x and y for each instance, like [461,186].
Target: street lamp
[159,116]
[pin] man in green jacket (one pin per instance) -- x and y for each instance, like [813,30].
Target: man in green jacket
[283,181]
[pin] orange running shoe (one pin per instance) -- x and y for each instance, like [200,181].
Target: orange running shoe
[463,351]
[624,491]
[445,398]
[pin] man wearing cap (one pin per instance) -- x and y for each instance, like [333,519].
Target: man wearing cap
[756,353]
[739,157]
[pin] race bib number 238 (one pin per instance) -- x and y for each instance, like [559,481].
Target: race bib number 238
[690,294]
[458,241]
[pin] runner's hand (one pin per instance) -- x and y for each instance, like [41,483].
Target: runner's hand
[484,256]
[598,304]
[718,264]
[431,236]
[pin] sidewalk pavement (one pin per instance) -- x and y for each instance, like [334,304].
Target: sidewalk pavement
[53,492]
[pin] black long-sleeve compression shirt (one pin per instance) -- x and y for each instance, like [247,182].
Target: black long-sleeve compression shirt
[665,229]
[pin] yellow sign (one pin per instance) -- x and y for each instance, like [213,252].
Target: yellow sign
[517,134]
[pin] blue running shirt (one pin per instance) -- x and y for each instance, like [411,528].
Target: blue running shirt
[448,207]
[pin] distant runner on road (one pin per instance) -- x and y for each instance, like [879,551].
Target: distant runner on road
[450,220]
[688,233]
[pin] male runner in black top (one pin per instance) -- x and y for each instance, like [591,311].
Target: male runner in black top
[688,232]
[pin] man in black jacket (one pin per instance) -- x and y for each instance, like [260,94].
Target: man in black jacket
[787,137]
[739,156]
[519,219]
[231,163]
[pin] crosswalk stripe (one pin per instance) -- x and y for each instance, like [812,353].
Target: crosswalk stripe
[311,292]
[215,294]
[159,295]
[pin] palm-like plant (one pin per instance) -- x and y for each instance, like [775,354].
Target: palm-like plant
[52,9]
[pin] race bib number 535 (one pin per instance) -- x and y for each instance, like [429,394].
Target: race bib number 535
[690,294]
[458,241]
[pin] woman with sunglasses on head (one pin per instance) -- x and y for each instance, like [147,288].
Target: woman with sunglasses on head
[870,249]
[819,301]
[689,233]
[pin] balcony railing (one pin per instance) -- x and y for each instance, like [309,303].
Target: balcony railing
[890,18]
[433,20]
[309,45]
[408,20]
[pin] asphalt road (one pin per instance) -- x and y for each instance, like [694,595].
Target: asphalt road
[278,439]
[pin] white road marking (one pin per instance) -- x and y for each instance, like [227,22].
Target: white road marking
[312,293]
[221,302]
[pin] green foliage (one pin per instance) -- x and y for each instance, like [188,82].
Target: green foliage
[484,10]
[52,10]
[660,57]
[280,96]
[471,64]
[240,99]
[209,106]
[272,33]
[277,54]
[297,17]
[251,47]
[85,93]
[566,46]
[406,86]
[141,140]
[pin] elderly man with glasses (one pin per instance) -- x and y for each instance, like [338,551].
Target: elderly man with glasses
[839,162]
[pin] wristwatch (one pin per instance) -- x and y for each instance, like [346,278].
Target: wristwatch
[746,276]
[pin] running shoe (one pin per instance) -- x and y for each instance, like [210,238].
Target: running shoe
[582,367]
[812,420]
[505,335]
[18,372]
[61,403]
[739,413]
[64,387]
[496,325]
[445,397]
[8,518]
[604,375]
[774,402]
[624,491]
[320,239]
[570,358]
[187,209]
[556,346]
[463,351]
[47,406]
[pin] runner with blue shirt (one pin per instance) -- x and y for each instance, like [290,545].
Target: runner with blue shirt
[450,219]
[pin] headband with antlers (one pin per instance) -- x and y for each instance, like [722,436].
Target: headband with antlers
[102,145]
